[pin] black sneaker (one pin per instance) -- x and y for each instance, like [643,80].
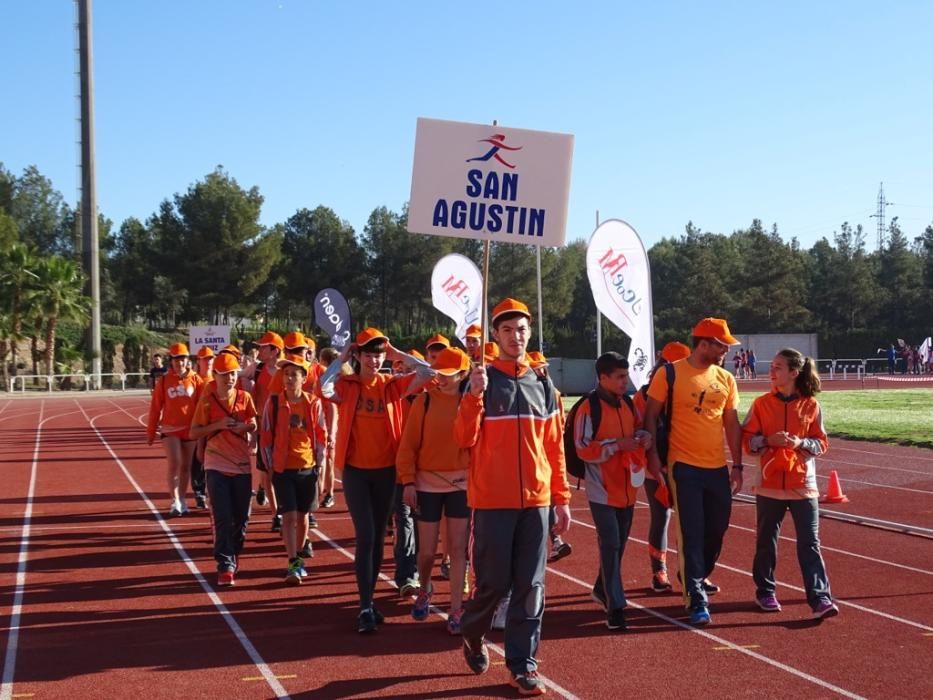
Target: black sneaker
[307,552]
[328,501]
[312,521]
[599,595]
[380,618]
[261,496]
[528,683]
[476,655]
[276,523]
[366,623]
[615,619]
[710,587]
[200,501]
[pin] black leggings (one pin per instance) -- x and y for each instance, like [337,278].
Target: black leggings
[369,494]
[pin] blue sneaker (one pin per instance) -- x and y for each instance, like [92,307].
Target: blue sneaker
[699,617]
[422,606]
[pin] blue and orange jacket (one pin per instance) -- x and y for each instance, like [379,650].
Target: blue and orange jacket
[608,467]
[783,468]
[515,440]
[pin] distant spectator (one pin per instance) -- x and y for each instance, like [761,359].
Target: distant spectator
[751,360]
[892,358]
[156,371]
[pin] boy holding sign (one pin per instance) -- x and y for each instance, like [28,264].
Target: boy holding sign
[510,492]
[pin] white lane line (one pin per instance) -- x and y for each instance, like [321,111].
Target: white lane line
[563,692]
[836,448]
[9,661]
[828,462]
[190,525]
[831,549]
[5,406]
[880,486]
[225,613]
[723,642]
[838,601]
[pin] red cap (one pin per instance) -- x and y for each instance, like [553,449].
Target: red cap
[437,339]
[271,338]
[178,350]
[367,335]
[450,361]
[510,305]
[715,328]
[675,351]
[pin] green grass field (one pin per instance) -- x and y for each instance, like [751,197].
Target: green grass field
[903,416]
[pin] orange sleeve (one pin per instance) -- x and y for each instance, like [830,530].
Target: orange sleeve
[407,458]
[467,424]
[554,449]
[752,427]
[319,437]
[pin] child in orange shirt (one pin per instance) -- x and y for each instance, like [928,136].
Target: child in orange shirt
[292,445]
[224,418]
[170,409]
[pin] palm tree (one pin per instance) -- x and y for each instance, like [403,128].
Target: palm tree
[16,276]
[60,294]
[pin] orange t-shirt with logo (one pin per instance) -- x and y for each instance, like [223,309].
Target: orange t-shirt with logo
[700,398]
[300,447]
[371,445]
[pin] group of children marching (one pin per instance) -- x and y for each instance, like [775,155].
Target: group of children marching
[416,441]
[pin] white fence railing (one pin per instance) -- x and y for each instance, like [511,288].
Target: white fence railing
[85,381]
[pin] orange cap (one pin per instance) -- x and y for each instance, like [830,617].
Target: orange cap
[206,351]
[310,342]
[715,328]
[178,350]
[449,361]
[295,339]
[474,331]
[293,359]
[509,305]
[271,338]
[226,362]
[536,359]
[437,339]
[490,351]
[675,351]
[367,335]
[231,350]
[415,353]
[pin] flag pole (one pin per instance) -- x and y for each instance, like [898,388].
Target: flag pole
[540,305]
[485,324]
[599,316]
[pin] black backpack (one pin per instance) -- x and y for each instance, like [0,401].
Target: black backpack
[575,466]
[662,435]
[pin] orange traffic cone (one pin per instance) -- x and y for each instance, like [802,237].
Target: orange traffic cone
[834,494]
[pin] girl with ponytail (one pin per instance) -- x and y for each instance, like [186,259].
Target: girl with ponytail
[785,429]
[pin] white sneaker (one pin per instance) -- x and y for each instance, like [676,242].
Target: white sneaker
[501,614]
[183,508]
[175,510]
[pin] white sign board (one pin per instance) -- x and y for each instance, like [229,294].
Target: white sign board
[214,337]
[457,292]
[490,183]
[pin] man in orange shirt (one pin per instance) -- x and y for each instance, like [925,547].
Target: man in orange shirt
[704,404]
[511,422]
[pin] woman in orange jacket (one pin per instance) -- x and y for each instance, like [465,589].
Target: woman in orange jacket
[433,474]
[292,442]
[368,432]
[170,410]
[785,429]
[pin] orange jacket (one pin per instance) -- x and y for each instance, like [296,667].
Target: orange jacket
[783,468]
[173,402]
[608,480]
[274,439]
[515,440]
[347,392]
[426,443]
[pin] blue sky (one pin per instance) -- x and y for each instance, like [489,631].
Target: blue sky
[716,112]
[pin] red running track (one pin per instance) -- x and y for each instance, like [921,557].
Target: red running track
[110,599]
